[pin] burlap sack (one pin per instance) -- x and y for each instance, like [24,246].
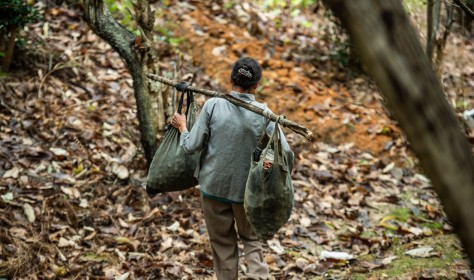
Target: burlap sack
[171,169]
[268,200]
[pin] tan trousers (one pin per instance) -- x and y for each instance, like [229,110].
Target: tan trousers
[219,217]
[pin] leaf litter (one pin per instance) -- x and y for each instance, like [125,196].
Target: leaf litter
[72,197]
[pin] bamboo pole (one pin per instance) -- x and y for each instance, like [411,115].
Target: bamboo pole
[308,134]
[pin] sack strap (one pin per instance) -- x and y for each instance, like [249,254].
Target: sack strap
[189,100]
[262,142]
[180,103]
[279,157]
[183,88]
[263,136]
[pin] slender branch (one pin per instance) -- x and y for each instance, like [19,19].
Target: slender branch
[308,134]
[102,22]
[465,8]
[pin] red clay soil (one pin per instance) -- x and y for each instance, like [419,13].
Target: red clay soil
[286,88]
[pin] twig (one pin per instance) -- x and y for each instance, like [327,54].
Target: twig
[308,134]
[59,66]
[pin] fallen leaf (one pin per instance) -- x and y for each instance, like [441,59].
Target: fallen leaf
[72,192]
[123,223]
[18,232]
[305,221]
[174,227]
[388,260]
[63,242]
[275,246]
[416,231]
[12,173]
[274,259]
[421,252]
[29,212]
[335,255]
[388,167]
[121,172]
[122,277]
[371,265]
[94,257]
[59,151]
[301,263]
[166,244]
[7,197]
[84,203]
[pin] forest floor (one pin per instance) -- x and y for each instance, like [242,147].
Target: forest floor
[72,170]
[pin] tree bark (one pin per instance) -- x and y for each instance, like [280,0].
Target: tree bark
[10,47]
[389,47]
[465,7]
[308,134]
[139,57]
[468,9]
[443,39]
[433,8]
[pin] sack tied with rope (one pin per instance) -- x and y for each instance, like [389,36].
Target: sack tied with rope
[268,199]
[171,169]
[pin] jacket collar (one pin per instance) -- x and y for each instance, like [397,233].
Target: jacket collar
[247,97]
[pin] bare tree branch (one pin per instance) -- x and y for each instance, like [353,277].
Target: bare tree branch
[308,134]
[102,22]
[465,8]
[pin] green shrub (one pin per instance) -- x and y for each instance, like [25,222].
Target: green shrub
[122,12]
[15,14]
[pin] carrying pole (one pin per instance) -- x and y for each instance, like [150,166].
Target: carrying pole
[297,128]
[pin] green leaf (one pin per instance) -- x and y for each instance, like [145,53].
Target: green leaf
[175,41]
[92,257]
[307,24]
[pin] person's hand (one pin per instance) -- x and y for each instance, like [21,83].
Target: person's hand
[179,121]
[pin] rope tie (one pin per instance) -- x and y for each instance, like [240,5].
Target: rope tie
[181,86]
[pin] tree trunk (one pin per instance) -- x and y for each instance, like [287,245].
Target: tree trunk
[433,8]
[140,59]
[10,46]
[442,40]
[467,8]
[389,47]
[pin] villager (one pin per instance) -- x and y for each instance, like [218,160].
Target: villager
[226,136]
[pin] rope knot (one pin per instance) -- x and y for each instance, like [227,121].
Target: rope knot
[181,86]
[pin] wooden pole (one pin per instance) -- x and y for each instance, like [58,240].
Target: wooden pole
[308,134]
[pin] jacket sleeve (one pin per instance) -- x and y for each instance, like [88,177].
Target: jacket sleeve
[193,141]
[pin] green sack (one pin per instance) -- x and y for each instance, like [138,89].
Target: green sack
[171,169]
[268,199]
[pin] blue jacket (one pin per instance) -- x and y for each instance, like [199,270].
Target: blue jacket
[226,135]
